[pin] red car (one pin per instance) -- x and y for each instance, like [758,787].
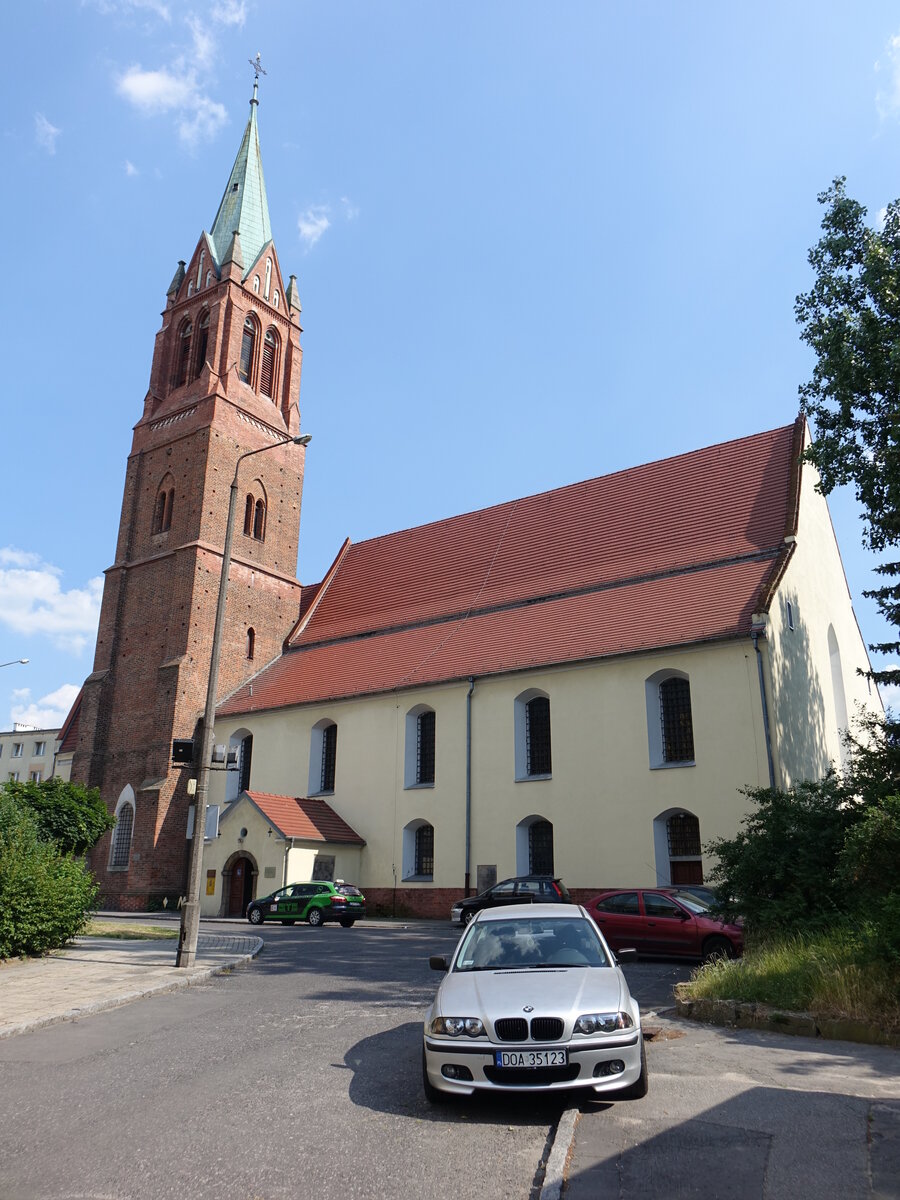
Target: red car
[663,921]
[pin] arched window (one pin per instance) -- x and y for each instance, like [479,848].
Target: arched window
[322,756]
[276,299]
[200,269]
[533,758]
[248,350]
[259,520]
[120,846]
[425,850]
[268,277]
[202,342]
[534,846]
[677,723]
[418,851]
[248,516]
[677,848]
[251,642]
[165,502]
[256,283]
[670,726]
[209,276]
[239,755]
[269,364]
[420,741]
[183,355]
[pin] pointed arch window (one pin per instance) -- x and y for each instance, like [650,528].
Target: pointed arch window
[269,364]
[248,517]
[248,350]
[123,831]
[183,355]
[202,342]
[268,277]
[165,502]
[259,520]
[251,642]
[255,513]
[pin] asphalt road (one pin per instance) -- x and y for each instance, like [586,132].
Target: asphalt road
[299,1076]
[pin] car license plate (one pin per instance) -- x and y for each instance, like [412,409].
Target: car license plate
[531,1058]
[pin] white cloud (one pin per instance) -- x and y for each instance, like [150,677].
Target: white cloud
[32,601]
[312,224]
[130,169]
[230,12]
[204,120]
[154,91]
[48,712]
[204,42]
[45,134]
[887,99]
[351,210]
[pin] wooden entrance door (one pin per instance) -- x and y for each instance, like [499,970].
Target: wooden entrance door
[241,891]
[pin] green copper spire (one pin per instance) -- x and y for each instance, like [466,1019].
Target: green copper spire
[244,208]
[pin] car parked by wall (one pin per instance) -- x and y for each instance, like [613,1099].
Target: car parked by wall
[521,889]
[315,903]
[660,921]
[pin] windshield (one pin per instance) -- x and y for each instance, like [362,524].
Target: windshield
[530,942]
[694,903]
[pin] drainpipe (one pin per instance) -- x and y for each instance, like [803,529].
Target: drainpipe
[757,629]
[469,782]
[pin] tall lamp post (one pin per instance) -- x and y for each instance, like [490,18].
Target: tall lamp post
[13,662]
[190,913]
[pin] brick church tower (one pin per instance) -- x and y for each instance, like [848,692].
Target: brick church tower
[225,379]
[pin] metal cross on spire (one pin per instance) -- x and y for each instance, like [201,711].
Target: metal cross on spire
[258,69]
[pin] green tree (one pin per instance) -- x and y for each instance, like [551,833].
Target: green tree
[45,894]
[69,814]
[851,320]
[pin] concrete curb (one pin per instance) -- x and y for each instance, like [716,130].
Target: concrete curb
[740,1015]
[194,975]
[554,1174]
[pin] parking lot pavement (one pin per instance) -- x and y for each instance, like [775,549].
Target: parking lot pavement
[99,973]
[738,1115]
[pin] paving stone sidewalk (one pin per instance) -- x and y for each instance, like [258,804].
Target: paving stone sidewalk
[99,973]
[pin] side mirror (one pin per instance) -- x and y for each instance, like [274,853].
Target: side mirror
[437,962]
[626,956]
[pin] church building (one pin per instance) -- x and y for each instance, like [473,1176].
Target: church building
[578,683]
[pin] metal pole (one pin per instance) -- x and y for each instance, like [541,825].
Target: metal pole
[190,913]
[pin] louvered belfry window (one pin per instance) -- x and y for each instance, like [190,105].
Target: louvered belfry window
[675,716]
[329,757]
[248,348]
[537,736]
[184,355]
[202,342]
[425,747]
[269,359]
[425,850]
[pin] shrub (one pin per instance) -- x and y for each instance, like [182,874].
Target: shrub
[67,813]
[44,893]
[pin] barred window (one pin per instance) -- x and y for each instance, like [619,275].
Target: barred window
[537,736]
[425,729]
[675,719]
[540,848]
[425,850]
[121,846]
[329,757]
[683,831]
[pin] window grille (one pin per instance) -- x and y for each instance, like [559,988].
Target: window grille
[121,850]
[329,757]
[683,833]
[537,736]
[675,716]
[425,747]
[540,848]
[425,850]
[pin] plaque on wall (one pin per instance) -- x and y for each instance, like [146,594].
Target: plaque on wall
[485,877]
[323,868]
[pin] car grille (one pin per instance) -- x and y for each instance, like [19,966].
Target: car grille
[515,1029]
[531,1076]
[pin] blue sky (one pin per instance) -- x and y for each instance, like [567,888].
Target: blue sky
[535,243]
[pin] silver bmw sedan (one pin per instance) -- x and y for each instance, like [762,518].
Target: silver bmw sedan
[533,1001]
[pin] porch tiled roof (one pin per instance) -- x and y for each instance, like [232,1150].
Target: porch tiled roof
[306,817]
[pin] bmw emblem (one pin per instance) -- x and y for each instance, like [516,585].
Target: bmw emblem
[528,1008]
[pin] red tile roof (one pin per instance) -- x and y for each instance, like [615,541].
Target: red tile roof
[678,551]
[303,817]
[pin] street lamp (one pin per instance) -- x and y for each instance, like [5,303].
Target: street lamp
[190,913]
[13,661]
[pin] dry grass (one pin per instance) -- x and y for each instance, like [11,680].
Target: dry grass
[129,930]
[820,975]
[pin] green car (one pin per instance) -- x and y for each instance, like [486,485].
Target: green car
[313,902]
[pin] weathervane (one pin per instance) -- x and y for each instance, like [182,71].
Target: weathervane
[258,68]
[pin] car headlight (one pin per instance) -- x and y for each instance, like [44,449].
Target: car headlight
[603,1022]
[457,1026]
